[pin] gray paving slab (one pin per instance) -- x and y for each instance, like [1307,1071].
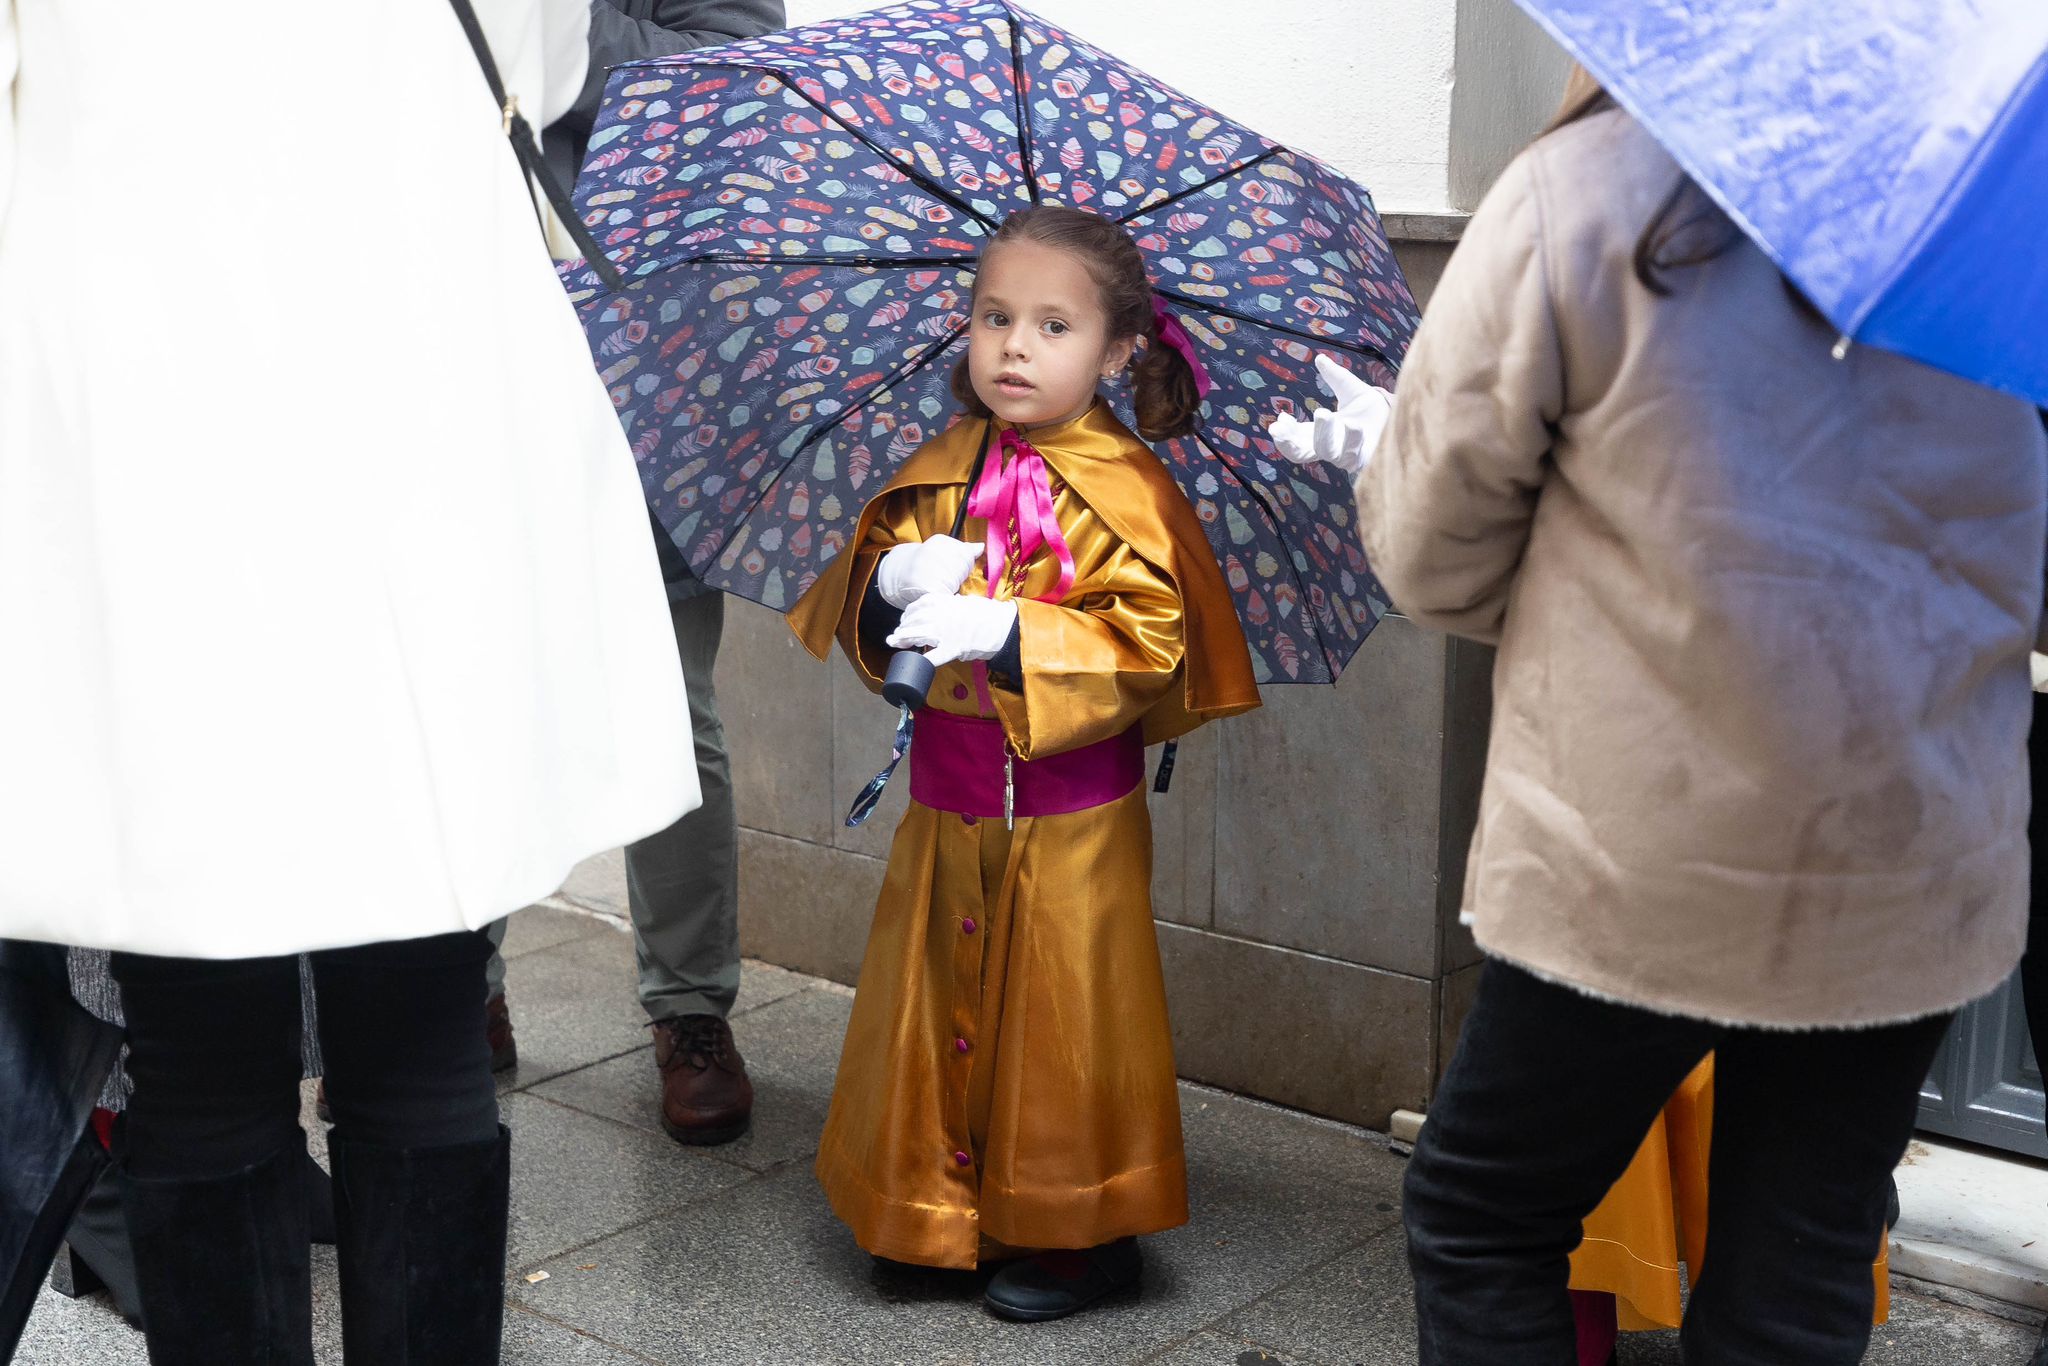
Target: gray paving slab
[1356,1307]
[573,1005]
[1221,1127]
[763,984]
[1923,1331]
[599,884]
[577,1178]
[792,1052]
[1214,1349]
[326,1308]
[65,1332]
[766,1268]
[534,1341]
[753,1275]
[660,1255]
[74,1333]
[543,927]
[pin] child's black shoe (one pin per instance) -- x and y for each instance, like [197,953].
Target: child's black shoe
[1052,1285]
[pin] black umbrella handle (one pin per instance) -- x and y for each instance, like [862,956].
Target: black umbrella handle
[909,680]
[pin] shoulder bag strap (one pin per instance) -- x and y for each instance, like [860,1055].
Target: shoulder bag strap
[526,147]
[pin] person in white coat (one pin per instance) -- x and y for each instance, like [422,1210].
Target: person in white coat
[332,617]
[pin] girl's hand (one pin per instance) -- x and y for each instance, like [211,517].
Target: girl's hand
[950,628]
[934,567]
[1344,436]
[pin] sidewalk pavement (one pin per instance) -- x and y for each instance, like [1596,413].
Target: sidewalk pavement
[627,1248]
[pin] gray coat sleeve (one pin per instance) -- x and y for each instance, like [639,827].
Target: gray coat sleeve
[626,30]
[1447,503]
[671,26]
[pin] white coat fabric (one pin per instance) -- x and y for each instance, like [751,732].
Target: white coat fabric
[330,608]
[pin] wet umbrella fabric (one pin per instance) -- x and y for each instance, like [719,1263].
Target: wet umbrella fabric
[797,216]
[1890,155]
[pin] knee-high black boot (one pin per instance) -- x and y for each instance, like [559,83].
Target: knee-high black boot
[96,1255]
[422,1250]
[223,1266]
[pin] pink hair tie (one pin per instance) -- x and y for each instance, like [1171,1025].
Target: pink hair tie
[1172,334]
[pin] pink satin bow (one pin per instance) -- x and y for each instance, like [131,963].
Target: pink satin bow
[1015,490]
[1172,334]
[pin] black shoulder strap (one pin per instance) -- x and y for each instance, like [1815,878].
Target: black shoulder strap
[526,147]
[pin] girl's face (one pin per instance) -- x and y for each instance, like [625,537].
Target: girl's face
[1040,342]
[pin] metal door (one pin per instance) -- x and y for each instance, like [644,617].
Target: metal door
[1986,1083]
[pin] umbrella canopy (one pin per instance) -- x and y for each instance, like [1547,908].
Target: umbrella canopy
[797,218]
[1890,155]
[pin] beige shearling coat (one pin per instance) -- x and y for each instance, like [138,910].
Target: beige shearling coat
[1761,699]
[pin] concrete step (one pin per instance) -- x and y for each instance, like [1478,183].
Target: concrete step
[1974,1221]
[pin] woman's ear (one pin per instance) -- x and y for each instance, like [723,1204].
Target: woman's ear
[1118,355]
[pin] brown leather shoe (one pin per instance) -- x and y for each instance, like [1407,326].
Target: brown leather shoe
[498,1029]
[706,1097]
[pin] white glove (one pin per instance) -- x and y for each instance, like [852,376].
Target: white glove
[950,628]
[1344,436]
[939,565]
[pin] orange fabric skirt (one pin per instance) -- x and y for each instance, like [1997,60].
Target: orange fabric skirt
[1655,1217]
[1007,1081]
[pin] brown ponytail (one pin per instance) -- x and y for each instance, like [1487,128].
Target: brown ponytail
[1162,383]
[1163,391]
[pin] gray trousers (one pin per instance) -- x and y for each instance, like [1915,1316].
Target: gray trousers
[682,884]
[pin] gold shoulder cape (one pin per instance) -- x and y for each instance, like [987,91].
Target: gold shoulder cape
[1124,484]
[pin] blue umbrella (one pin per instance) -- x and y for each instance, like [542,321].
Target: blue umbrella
[1890,155]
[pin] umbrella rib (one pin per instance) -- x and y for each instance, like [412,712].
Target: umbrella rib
[745,259]
[909,171]
[1356,348]
[1211,183]
[1025,135]
[904,372]
[1280,533]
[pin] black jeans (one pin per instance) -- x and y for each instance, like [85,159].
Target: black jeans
[1546,1101]
[213,1050]
[2034,967]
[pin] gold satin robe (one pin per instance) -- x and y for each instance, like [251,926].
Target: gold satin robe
[1007,1080]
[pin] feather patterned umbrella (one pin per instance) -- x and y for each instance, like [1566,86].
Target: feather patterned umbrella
[797,218]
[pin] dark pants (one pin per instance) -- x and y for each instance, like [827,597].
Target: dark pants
[2034,967]
[214,1052]
[1546,1101]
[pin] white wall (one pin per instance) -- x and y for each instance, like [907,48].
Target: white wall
[1510,76]
[1363,84]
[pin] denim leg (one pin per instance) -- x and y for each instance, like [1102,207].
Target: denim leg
[1807,1127]
[213,1051]
[407,1064]
[1545,1102]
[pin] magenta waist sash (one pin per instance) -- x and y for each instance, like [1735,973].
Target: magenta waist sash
[956,764]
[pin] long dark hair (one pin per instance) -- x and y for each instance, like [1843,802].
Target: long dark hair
[1688,229]
[1162,383]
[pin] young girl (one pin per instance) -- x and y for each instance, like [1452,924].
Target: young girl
[1007,1084]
